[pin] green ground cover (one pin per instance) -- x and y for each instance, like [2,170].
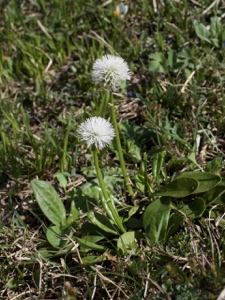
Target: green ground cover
[161,234]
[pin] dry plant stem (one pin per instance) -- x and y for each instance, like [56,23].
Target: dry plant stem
[119,148]
[106,200]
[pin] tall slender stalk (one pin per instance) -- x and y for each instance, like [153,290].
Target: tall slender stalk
[103,104]
[119,148]
[107,202]
[63,161]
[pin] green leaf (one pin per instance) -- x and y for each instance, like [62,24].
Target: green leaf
[155,219]
[88,242]
[111,182]
[61,178]
[73,215]
[57,237]
[133,223]
[142,181]
[134,151]
[216,30]
[178,188]
[192,158]
[172,58]
[157,164]
[194,209]
[214,166]
[157,63]
[202,32]
[94,259]
[49,201]
[175,220]
[214,194]
[215,42]
[102,222]
[14,283]
[206,180]
[133,210]
[221,223]
[37,276]
[128,241]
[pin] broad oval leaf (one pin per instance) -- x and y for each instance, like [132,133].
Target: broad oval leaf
[202,31]
[156,218]
[128,241]
[194,209]
[178,188]
[206,180]
[49,201]
[56,237]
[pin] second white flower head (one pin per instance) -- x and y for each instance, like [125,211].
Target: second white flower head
[96,131]
[110,71]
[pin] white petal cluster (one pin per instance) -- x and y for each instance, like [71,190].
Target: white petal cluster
[121,10]
[110,71]
[96,131]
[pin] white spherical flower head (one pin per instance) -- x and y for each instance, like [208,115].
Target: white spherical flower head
[110,71]
[96,131]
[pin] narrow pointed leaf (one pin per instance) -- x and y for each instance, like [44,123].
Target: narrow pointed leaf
[88,244]
[102,222]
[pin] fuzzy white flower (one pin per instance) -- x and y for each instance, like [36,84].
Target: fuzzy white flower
[121,10]
[97,131]
[110,71]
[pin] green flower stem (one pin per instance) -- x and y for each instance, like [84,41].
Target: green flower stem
[63,162]
[103,104]
[119,148]
[106,201]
